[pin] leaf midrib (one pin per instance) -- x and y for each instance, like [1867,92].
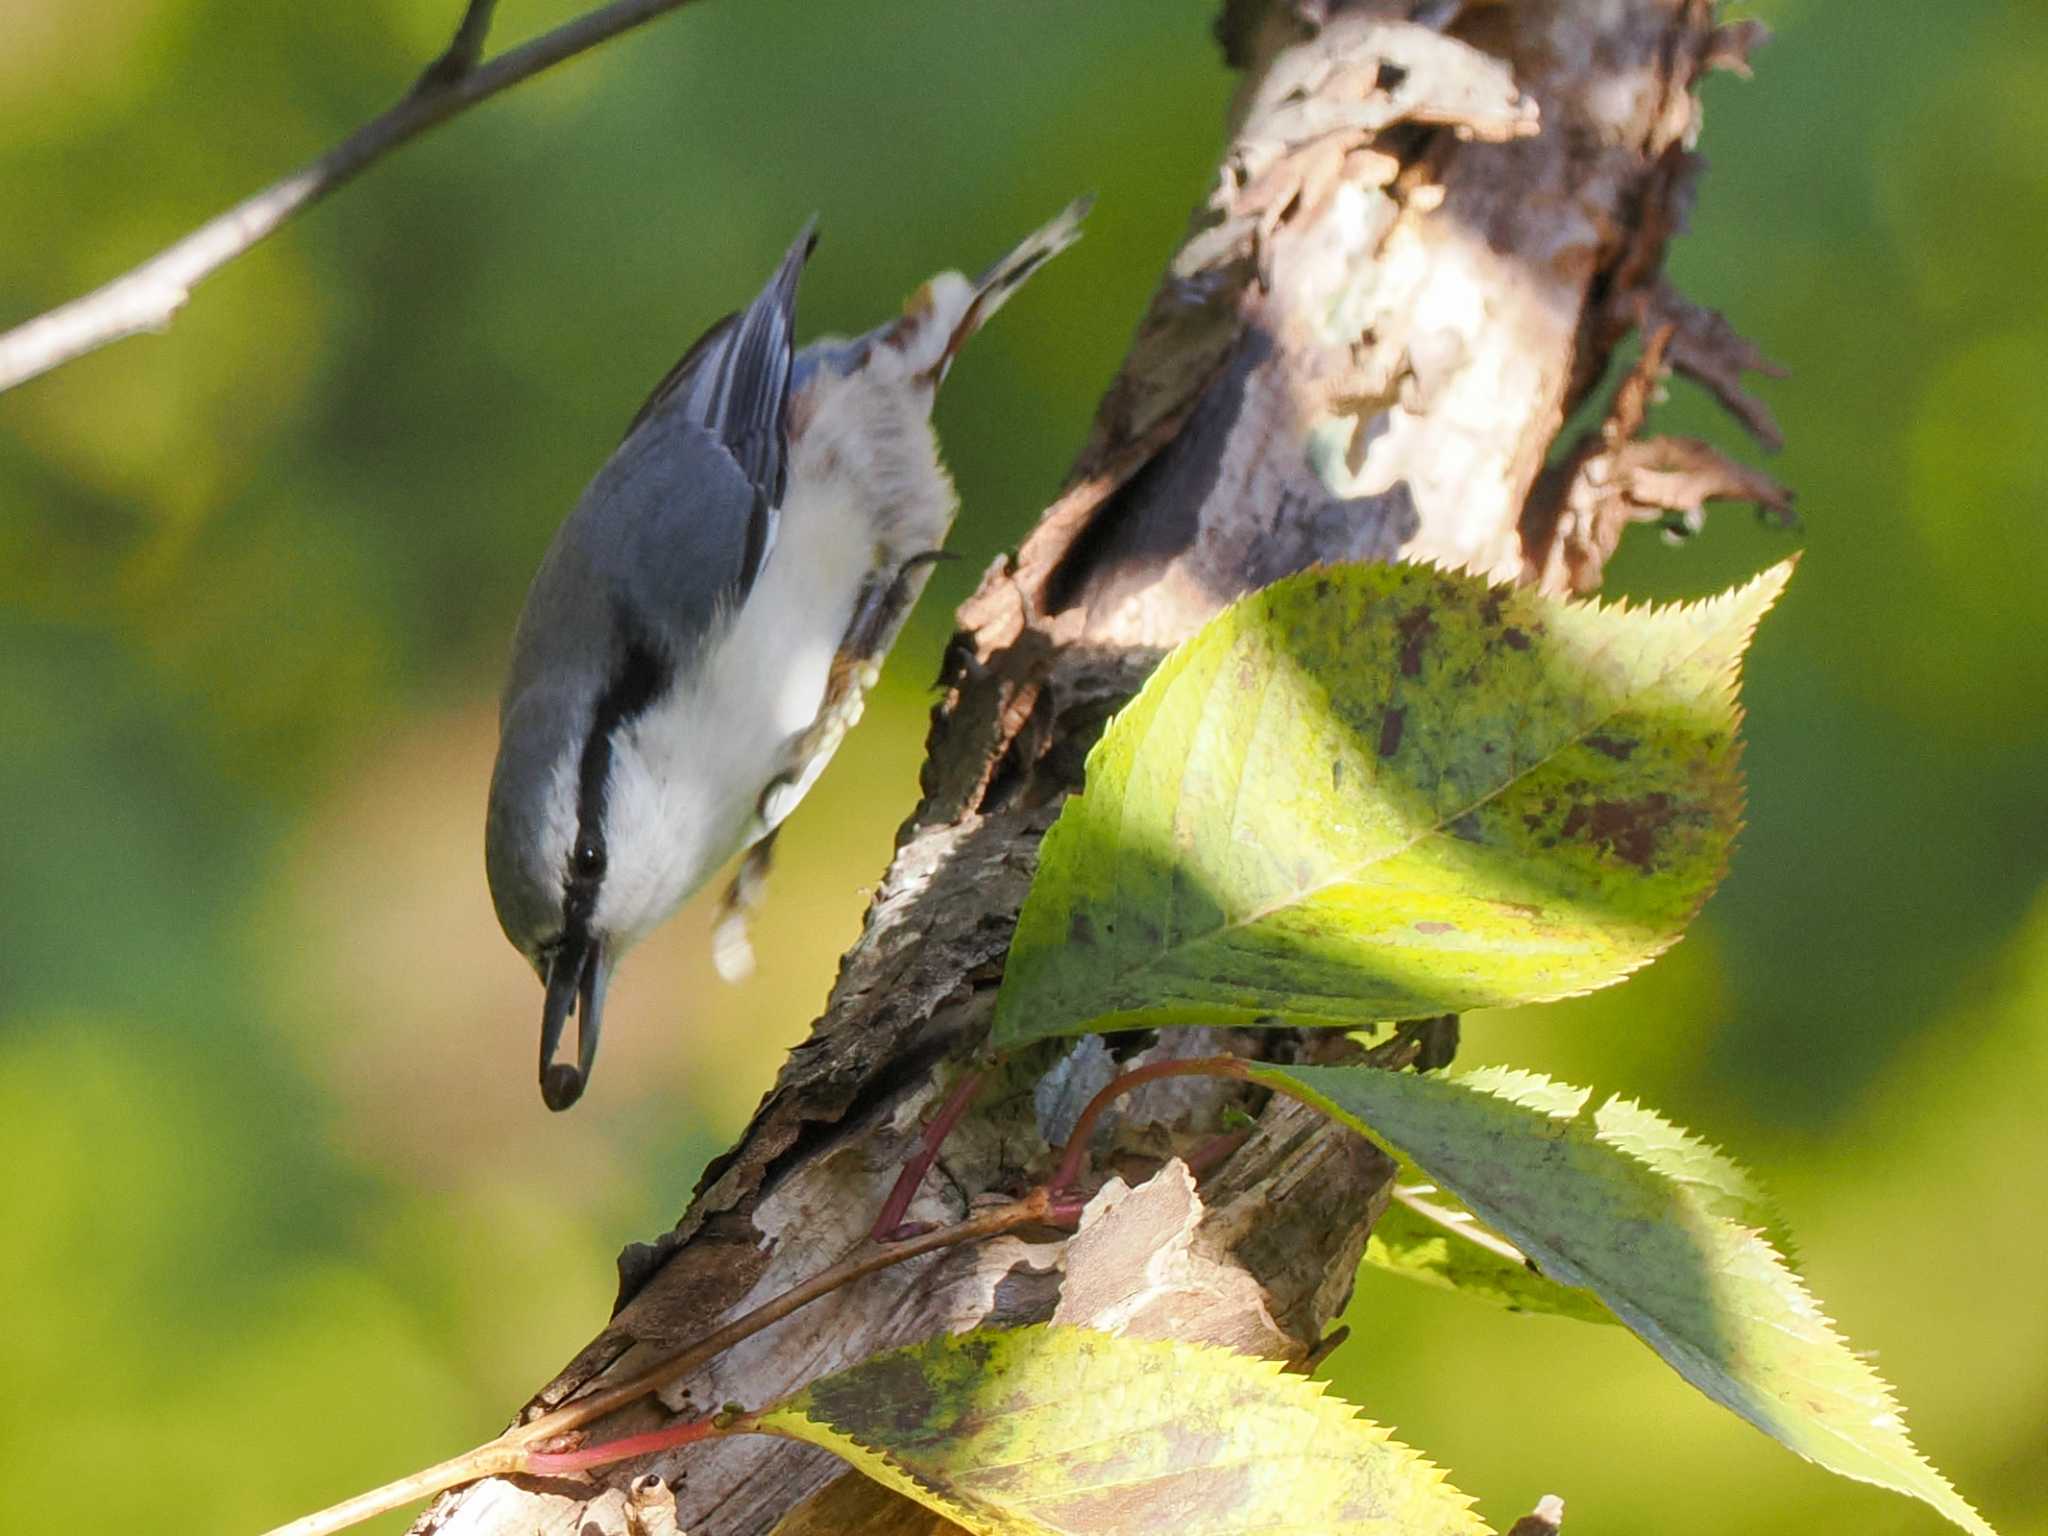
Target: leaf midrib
[1151,964]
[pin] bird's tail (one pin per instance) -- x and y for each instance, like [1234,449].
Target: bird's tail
[947,310]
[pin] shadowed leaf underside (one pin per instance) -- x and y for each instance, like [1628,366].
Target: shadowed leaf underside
[1667,1232]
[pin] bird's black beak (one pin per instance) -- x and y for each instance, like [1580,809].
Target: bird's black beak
[576,979]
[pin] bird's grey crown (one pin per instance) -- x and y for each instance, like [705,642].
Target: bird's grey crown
[659,552]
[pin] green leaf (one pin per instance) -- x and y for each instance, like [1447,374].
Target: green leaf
[1044,1429]
[1384,792]
[1427,1241]
[1664,1230]
[1710,1177]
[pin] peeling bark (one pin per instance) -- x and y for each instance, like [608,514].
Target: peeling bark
[1434,223]
[1614,476]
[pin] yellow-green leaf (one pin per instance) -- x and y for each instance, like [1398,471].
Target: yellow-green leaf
[1664,1230]
[1385,792]
[1034,1430]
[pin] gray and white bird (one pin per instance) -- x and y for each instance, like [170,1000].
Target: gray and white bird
[704,628]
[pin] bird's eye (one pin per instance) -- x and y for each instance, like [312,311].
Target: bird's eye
[588,860]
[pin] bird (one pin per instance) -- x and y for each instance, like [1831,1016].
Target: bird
[705,625]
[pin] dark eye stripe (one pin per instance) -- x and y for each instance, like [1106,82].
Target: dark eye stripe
[640,674]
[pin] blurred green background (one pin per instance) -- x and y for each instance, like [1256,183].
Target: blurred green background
[282,1215]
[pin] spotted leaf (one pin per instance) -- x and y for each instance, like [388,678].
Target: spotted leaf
[1031,1431]
[1385,792]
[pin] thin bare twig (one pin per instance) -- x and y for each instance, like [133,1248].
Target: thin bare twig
[146,297]
[465,51]
[512,1451]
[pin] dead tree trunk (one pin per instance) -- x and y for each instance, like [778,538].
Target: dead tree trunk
[1434,224]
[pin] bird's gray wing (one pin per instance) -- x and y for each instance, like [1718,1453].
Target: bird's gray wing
[734,386]
[652,557]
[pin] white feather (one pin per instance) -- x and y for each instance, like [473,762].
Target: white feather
[866,492]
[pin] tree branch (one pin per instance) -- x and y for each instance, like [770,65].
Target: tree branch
[146,297]
[1432,226]
[464,51]
[519,1448]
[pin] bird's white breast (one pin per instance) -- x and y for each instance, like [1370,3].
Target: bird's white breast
[687,775]
[866,492]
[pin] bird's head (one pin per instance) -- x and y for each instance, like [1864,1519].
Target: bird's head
[581,866]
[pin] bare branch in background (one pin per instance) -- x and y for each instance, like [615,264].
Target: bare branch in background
[465,50]
[146,297]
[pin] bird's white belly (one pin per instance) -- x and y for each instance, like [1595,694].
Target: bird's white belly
[687,776]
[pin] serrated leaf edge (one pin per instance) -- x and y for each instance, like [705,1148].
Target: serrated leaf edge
[1316,1397]
[871,1462]
[1753,1194]
[1948,1501]
[1522,1087]
[1761,592]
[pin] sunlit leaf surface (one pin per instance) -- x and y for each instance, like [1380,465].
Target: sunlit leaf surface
[1008,1432]
[1384,792]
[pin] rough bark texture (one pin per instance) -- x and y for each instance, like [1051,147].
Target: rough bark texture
[1434,224]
